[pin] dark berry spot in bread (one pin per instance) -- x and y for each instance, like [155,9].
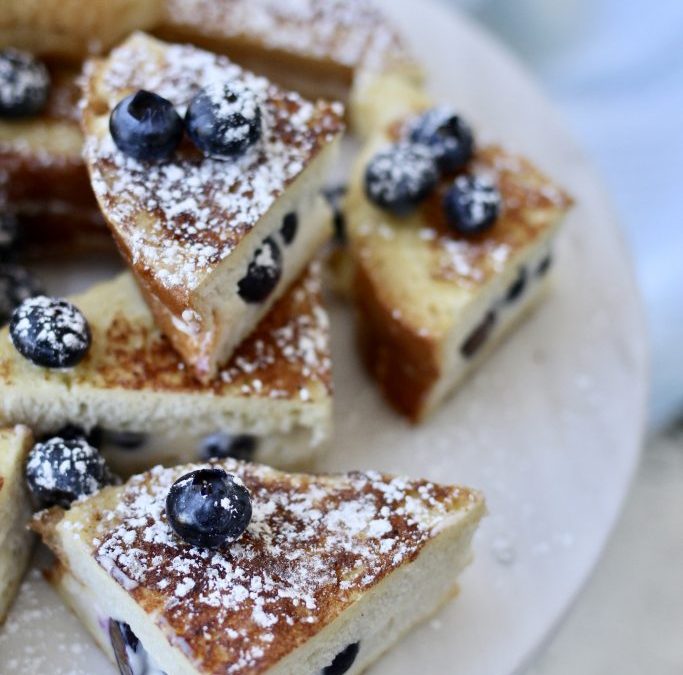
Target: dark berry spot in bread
[343,661]
[263,273]
[479,336]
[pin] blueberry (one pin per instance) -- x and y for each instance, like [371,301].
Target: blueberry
[208,508]
[124,643]
[334,196]
[448,137]
[61,470]
[290,225]
[24,84]
[398,178]
[122,637]
[50,332]
[69,432]
[9,235]
[479,336]
[263,273]
[73,431]
[472,205]
[127,440]
[16,285]
[224,120]
[343,661]
[222,445]
[517,287]
[544,266]
[131,657]
[146,126]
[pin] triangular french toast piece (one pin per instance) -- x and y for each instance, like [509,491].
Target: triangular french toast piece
[316,47]
[43,180]
[72,30]
[434,299]
[16,542]
[273,397]
[329,573]
[197,231]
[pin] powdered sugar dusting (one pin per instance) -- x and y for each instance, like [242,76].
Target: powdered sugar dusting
[313,545]
[50,324]
[179,218]
[530,205]
[352,33]
[238,101]
[400,171]
[300,343]
[23,80]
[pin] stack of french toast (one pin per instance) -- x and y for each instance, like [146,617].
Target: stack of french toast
[149,422]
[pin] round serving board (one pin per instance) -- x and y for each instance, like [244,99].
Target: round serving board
[549,428]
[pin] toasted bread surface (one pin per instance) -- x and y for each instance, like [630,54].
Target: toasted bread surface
[16,541]
[315,546]
[420,267]
[71,30]
[421,289]
[317,47]
[175,222]
[189,226]
[133,379]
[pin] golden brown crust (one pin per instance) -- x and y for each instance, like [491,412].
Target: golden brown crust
[27,179]
[43,179]
[65,93]
[323,79]
[202,208]
[60,230]
[526,193]
[45,523]
[530,204]
[71,30]
[404,363]
[313,547]
[31,171]
[279,380]
[135,355]
[400,335]
[324,44]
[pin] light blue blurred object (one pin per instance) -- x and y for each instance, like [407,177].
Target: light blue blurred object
[616,70]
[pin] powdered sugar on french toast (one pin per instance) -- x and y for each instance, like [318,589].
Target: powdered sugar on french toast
[54,323]
[181,217]
[301,342]
[312,547]
[352,33]
[21,78]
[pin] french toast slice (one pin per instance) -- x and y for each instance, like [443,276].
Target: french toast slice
[432,303]
[16,541]
[328,570]
[274,395]
[71,30]
[192,227]
[43,179]
[316,47]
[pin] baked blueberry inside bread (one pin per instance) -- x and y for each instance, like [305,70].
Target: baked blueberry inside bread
[450,245]
[319,576]
[203,233]
[133,397]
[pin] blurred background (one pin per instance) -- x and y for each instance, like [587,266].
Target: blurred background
[614,68]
